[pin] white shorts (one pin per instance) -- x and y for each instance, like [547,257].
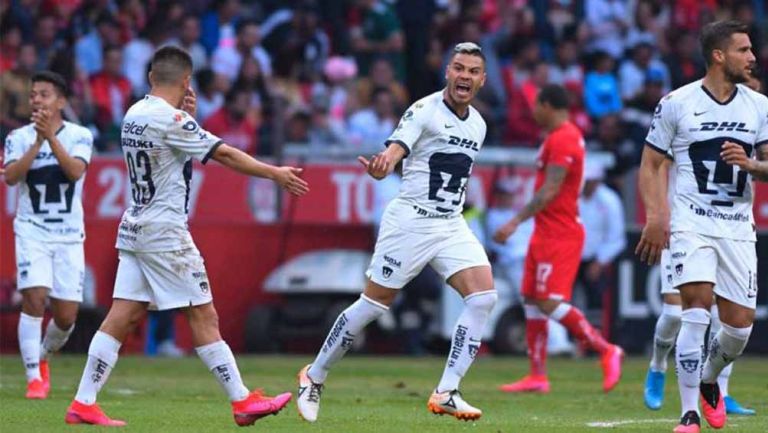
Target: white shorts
[729,264]
[667,288]
[167,280]
[58,266]
[400,255]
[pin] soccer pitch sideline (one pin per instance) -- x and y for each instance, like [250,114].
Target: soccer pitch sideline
[367,394]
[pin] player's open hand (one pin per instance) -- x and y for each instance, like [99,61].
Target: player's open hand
[288,178]
[189,103]
[505,231]
[653,240]
[43,124]
[734,154]
[377,167]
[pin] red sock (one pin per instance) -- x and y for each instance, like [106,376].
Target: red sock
[536,336]
[580,328]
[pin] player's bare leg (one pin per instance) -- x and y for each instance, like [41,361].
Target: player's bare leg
[121,320]
[247,407]
[374,302]
[30,331]
[731,405]
[727,345]
[57,333]
[475,285]
[665,334]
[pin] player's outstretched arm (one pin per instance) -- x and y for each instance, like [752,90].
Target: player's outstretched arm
[383,163]
[734,154]
[555,175]
[652,180]
[286,177]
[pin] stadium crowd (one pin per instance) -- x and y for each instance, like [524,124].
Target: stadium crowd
[339,73]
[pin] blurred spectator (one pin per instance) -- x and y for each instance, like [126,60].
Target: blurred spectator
[638,112]
[381,75]
[79,107]
[323,130]
[651,18]
[297,127]
[607,20]
[539,78]
[23,13]
[687,14]
[611,138]
[138,53]
[601,89]
[189,33]
[227,60]
[371,126]
[577,112]
[90,48]
[298,45]
[14,90]
[633,71]
[236,123]
[218,25]
[111,91]
[210,96]
[10,40]
[377,33]
[602,214]
[46,40]
[339,74]
[685,62]
[132,16]
[566,70]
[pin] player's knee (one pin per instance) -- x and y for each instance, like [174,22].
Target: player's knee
[482,301]
[203,318]
[65,321]
[33,303]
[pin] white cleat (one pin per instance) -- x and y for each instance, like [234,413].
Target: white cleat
[308,400]
[452,403]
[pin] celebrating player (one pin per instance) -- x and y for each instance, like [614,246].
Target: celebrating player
[554,252]
[438,139]
[48,157]
[712,127]
[159,262]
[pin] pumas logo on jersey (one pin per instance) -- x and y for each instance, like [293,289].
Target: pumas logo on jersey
[679,269]
[463,143]
[723,126]
[386,272]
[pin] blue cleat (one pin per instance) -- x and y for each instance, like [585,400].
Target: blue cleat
[734,408]
[654,389]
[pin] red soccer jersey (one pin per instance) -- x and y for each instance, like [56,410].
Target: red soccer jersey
[564,147]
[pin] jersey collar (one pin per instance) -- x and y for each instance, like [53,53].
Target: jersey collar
[466,116]
[727,101]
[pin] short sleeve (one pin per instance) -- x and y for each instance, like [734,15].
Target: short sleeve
[762,131]
[83,148]
[663,127]
[567,146]
[14,148]
[410,128]
[187,136]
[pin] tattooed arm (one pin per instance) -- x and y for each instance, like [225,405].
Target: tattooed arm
[734,154]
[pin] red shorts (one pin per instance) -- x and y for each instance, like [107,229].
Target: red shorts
[551,267]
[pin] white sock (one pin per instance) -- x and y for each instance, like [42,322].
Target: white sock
[221,362]
[688,356]
[727,345]
[467,336]
[102,357]
[341,336]
[55,339]
[30,330]
[667,326]
[723,378]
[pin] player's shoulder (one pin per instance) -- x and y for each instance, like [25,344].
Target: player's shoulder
[475,116]
[78,131]
[760,100]
[22,132]
[682,94]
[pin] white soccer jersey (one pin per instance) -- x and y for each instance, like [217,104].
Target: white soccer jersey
[50,205]
[441,149]
[712,198]
[159,142]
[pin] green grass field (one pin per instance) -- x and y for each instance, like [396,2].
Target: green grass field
[365,394]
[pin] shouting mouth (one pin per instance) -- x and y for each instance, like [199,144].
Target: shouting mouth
[463,89]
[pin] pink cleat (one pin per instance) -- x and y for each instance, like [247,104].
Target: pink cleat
[712,404]
[611,361]
[36,390]
[257,405]
[689,423]
[45,374]
[79,413]
[529,383]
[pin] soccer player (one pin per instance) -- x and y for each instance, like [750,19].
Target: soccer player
[437,139]
[713,127]
[48,158]
[159,262]
[667,326]
[554,252]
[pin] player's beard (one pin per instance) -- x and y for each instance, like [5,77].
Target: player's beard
[735,76]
